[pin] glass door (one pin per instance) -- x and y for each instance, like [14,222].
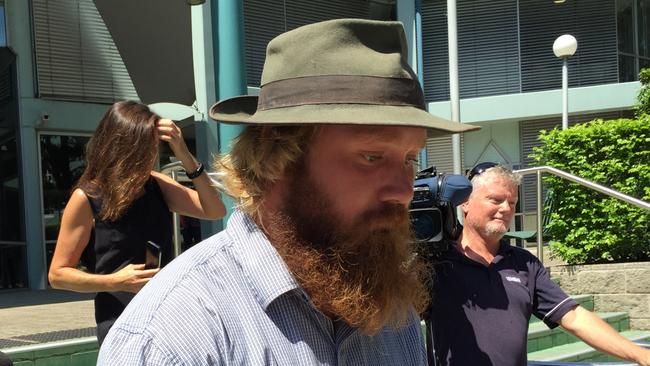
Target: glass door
[13,259]
[62,163]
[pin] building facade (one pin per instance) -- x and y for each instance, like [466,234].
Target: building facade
[64,62]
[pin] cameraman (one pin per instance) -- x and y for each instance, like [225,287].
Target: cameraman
[486,290]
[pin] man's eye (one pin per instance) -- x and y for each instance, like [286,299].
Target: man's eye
[413,162]
[371,158]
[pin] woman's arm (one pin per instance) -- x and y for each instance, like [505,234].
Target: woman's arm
[203,202]
[76,226]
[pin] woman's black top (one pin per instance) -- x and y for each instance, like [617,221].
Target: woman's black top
[115,244]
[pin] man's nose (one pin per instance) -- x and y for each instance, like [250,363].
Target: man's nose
[398,187]
[505,207]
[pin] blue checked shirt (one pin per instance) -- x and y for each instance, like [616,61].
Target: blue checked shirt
[231,300]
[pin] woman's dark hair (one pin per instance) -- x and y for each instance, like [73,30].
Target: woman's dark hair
[120,157]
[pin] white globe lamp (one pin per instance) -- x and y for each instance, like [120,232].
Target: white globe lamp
[564,47]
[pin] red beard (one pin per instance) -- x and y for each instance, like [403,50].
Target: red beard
[364,273]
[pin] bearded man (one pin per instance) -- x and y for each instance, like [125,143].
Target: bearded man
[315,265]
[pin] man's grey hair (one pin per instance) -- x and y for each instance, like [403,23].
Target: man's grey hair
[498,171]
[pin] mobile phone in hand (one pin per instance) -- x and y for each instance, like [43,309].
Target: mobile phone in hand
[153,255]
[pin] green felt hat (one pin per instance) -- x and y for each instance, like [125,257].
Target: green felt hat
[343,71]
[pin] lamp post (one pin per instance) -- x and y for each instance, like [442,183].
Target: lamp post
[564,47]
[454,82]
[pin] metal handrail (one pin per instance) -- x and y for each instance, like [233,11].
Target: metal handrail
[172,170]
[175,166]
[176,171]
[583,182]
[14,243]
[643,344]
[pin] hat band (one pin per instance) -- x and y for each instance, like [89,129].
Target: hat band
[341,89]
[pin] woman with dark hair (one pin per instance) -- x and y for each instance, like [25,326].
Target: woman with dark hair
[120,203]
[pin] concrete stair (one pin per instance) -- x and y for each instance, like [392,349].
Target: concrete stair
[581,352]
[557,345]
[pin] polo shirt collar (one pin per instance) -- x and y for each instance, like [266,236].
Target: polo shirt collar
[263,268]
[504,249]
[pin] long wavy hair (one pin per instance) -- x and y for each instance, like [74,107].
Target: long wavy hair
[259,157]
[119,157]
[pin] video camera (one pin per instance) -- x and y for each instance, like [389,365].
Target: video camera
[433,210]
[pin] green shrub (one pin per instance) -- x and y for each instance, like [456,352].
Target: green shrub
[587,226]
[643,99]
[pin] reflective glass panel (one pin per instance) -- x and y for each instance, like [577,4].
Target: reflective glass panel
[625,25]
[62,163]
[644,63]
[3,31]
[12,236]
[12,266]
[11,207]
[12,246]
[626,68]
[643,26]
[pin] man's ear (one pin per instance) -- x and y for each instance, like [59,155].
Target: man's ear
[465,207]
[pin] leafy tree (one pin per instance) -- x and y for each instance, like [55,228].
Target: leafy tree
[643,99]
[587,226]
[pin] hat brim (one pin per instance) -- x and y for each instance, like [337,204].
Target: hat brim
[243,109]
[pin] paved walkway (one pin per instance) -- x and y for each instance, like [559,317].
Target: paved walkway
[38,316]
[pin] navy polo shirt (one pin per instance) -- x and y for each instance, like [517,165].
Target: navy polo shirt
[480,313]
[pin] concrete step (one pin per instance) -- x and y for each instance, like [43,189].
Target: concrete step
[540,337]
[581,352]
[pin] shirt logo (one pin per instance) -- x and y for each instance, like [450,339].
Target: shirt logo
[513,279]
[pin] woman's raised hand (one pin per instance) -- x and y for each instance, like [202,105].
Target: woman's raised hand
[170,132]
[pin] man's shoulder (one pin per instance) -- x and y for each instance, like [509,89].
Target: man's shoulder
[202,263]
[183,301]
[205,269]
[216,254]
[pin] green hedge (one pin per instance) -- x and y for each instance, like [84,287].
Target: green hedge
[643,99]
[587,226]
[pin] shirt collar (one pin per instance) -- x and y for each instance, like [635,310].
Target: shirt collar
[262,266]
[504,249]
